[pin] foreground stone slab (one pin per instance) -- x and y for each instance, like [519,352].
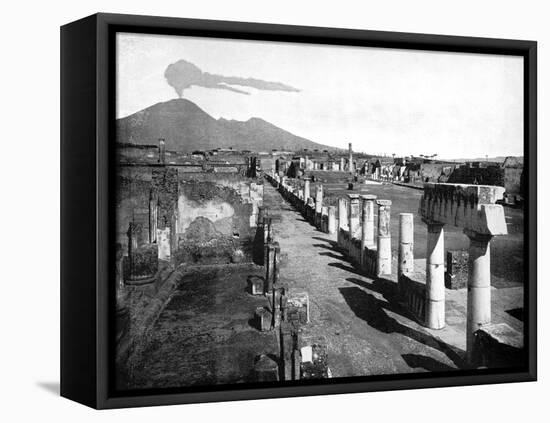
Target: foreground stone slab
[498,345]
[266,369]
[314,362]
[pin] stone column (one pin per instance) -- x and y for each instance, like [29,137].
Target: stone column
[406,244]
[162,151]
[354,222]
[324,219]
[367,217]
[342,213]
[351,167]
[269,267]
[331,219]
[342,164]
[164,243]
[306,189]
[383,251]
[153,215]
[318,205]
[479,286]
[435,276]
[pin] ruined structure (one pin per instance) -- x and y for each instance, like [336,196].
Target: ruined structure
[472,208]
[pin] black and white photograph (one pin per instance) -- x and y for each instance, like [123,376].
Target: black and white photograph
[300,213]
[270,212]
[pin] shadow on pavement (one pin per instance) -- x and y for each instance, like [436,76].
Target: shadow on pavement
[373,311]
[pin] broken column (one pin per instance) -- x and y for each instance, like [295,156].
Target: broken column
[306,188]
[163,241]
[331,219]
[383,250]
[162,151]
[153,215]
[353,215]
[342,164]
[324,219]
[367,217]
[351,167]
[269,267]
[405,262]
[479,286]
[435,276]
[342,213]
[473,208]
[318,205]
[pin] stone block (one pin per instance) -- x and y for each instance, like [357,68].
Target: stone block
[314,364]
[265,369]
[297,308]
[256,286]
[498,345]
[263,319]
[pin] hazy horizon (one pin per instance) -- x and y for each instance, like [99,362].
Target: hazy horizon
[411,102]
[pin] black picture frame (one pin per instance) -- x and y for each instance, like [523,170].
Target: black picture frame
[87,138]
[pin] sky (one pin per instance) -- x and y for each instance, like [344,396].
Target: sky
[383,101]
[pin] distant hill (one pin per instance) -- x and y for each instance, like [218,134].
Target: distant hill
[186,127]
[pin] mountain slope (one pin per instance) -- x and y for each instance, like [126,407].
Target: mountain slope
[186,127]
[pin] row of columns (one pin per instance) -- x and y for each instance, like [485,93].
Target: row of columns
[479,282]
[479,275]
[359,222]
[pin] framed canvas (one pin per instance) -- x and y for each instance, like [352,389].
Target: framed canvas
[255,211]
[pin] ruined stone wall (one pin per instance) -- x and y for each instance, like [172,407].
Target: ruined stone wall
[491,175]
[133,186]
[513,180]
[216,220]
[211,216]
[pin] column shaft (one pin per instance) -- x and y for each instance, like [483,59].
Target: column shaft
[354,222]
[406,244]
[306,190]
[342,213]
[383,266]
[435,277]
[479,287]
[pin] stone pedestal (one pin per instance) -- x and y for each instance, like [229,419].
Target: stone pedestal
[306,189]
[435,277]
[318,205]
[479,287]
[383,251]
[324,219]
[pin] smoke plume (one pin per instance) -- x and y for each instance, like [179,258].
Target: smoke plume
[182,75]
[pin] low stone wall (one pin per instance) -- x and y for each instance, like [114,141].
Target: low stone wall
[412,294]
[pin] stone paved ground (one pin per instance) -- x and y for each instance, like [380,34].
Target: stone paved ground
[366,333]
